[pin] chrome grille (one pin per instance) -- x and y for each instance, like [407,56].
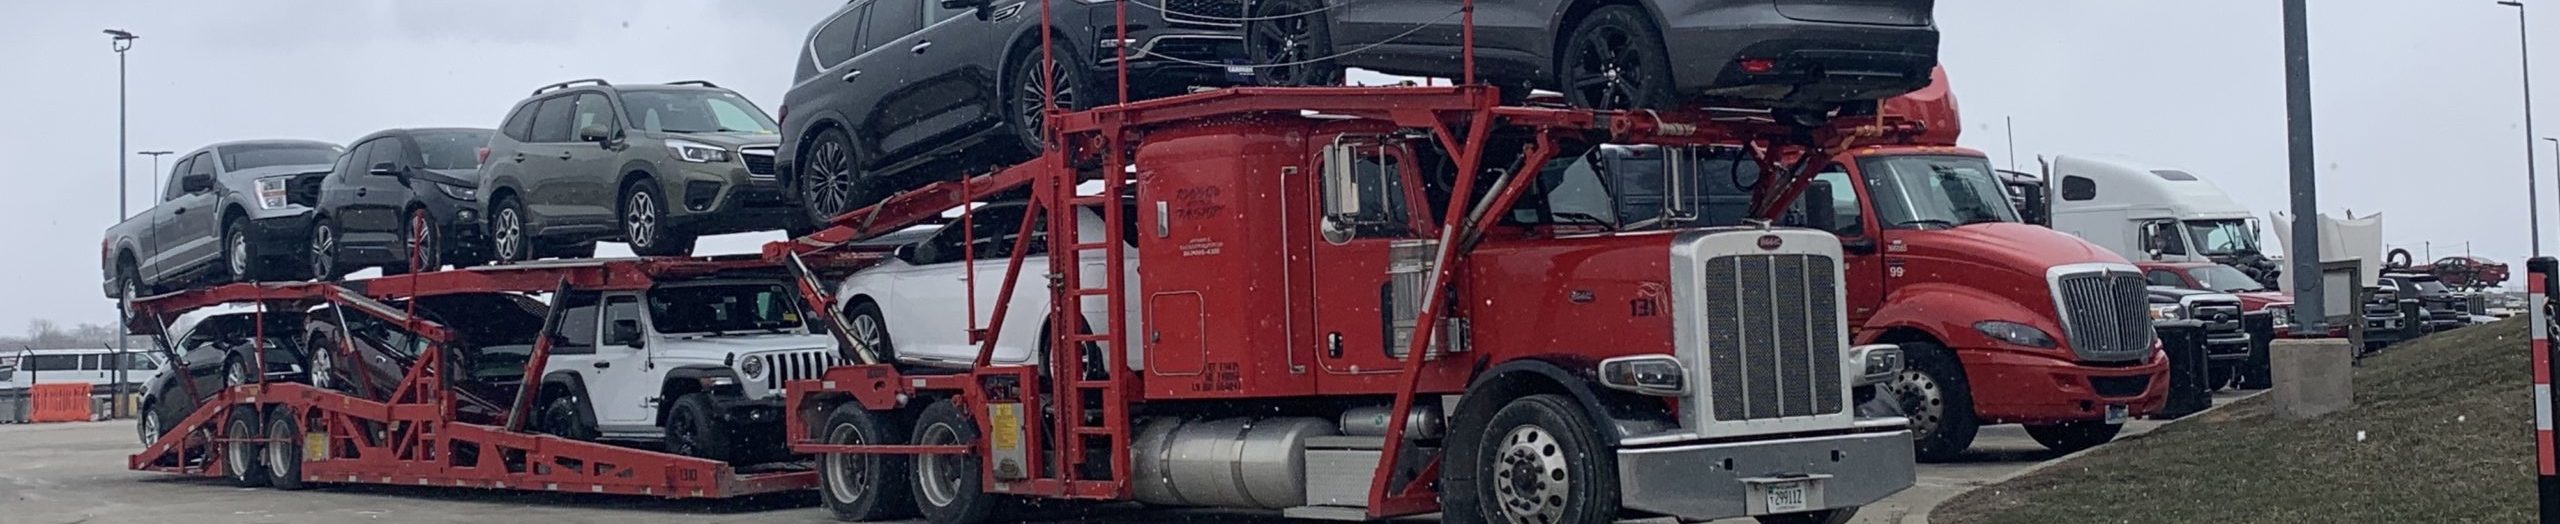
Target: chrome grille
[2218,317]
[796,365]
[2105,314]
[1203,13]
[1772,336]
[759,160]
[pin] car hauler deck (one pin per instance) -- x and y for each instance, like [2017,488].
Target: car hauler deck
[1358,303]
[292,434]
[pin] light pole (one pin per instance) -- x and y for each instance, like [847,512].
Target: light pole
[2309,316]
[155,159]
[2524,54]
[122,41]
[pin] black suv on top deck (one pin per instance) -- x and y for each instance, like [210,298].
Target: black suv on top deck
[399,191]
[1794,54]
[654,165]
[885,87]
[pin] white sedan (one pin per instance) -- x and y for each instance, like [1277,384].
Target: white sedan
[916,306]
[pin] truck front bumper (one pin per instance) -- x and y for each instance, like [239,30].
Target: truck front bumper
[2011,387]
[1696,482]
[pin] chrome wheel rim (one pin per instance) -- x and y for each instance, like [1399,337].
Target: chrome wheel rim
[239,250]
[150,426]
[866,329]
[940,475]
[423,253]
[1035,103]
[1605,69]
[236,374]
[848,474]
[323,252]
[321,363]
[1923,401]
[237,453]
[1530,477]
[830,191]
[640,220]
[510,234]
[279,433]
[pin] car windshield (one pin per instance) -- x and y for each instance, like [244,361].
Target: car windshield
[450,149]
[2430,286]
[2225,279]
[1934,191]
[723,308]
[2222,237]
[695,111]
[253,156]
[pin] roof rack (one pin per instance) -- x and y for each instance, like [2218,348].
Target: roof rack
[568,84]
[703,83]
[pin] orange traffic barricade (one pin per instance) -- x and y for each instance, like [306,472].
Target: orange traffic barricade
[60,402]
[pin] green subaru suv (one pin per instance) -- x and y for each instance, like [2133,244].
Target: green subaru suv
[653,165]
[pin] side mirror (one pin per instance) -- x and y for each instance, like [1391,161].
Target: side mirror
[1858,246]
[385,169]
[904,253]
[625,332]
[196,183]
[595,133]
[1819,212]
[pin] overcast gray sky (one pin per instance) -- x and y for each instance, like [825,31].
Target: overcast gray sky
[2419,108]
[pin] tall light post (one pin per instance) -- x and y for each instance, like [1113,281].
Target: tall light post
[122,41]
[2309,316]
[2524,54]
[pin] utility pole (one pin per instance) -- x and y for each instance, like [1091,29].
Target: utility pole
[122,41]
[2524,53]
[2305,250]
[2010,124]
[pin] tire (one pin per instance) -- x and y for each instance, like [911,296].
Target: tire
[867,324]
[1938,401]
[864,487]
[235,372]
[566,417]
[1615,59]
[147,424]
[694,431]
[643,215]
[129,281]
[323,257]
[1286,48]
[2074,436]
[948,488]
[241,454]
[2222,375]
[1024,112]
[425,244]
[510,236]
[1828,516]
[284,449]
[831,181]
[239,259]
[1541,459]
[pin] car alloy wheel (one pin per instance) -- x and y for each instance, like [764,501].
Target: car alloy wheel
[237,256]
[507,234]
[640,220]
[1032,102]
[683,438]
[149,427]
[424,253]
[1615,61]
[324,251]
[826,185]
[1287,41]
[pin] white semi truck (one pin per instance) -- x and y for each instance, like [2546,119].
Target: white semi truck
[2153,213]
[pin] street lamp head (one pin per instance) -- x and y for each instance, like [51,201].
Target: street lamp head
[155,153]
[121,34]
[2511,3]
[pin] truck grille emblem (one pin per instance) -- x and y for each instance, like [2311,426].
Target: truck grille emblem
[1771,242]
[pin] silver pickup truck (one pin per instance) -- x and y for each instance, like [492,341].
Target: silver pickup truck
[236,211]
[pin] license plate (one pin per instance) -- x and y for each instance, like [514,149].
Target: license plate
[2116,414]
[1788,497]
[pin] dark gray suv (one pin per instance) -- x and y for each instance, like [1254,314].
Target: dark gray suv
[654,165]
[1790,54]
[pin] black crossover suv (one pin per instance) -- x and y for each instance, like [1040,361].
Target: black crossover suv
[1788,54]
[886,87]
[399,192]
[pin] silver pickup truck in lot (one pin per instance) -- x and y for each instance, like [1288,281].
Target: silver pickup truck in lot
[231,211]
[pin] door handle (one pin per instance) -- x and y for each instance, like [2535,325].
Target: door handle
[920,47]
[602,365]
[564,155]
[180,211]
[850,75]
[360,192]
[519,156]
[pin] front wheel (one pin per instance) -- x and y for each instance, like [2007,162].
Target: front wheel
[425,242]
[948,488]
[237,257]
[860,487]
[871,328]
[1289,43]
[1938,402]
[644,223]
[1828,516]
[324,251]
[1615,59]
[2074,436]
[510,240]
[1541,460]
[692,430]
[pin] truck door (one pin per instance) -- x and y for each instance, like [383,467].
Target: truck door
[190,231]
[1837,202]
[1370,214]
[622,385]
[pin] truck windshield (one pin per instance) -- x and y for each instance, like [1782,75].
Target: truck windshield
[2225,279]
[721,309]
[253,156]
[1936,191]
[2222,237]
[692,111]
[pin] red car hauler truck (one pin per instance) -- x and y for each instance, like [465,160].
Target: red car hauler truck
[1360,303]
[2002,322]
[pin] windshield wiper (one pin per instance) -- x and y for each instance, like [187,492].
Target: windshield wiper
[1916,221]
[1585,218]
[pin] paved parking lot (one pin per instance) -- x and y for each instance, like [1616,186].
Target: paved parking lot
[74,473]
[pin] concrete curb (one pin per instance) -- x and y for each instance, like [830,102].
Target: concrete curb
[1922,515]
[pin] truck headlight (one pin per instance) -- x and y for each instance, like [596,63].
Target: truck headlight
[271,192]
[1877,363]
[1657,375]
[696,152]
[752,367]
[2015,333]
[2160,312]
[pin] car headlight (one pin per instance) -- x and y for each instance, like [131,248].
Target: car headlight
[2164,312]
[271,192]
[2015,333]
[1657,375]
[696,152]
[459,193]
[752,367]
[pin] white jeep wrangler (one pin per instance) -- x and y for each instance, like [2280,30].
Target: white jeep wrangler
[697,365]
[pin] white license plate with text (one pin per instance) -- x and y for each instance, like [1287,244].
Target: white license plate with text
[1788,497]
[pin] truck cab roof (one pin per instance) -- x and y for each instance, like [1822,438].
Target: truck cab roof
[2120,182]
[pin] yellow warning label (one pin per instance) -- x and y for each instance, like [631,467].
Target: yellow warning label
[1005,420]
[315,447]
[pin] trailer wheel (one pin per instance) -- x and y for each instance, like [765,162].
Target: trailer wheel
[240,450]
[2074,436]
[1828,516]
[692,430]
[864,487]
[1939,404]
[284,449]
[947,487]
[1540,460]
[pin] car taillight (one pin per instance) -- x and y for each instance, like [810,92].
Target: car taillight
[484,155]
